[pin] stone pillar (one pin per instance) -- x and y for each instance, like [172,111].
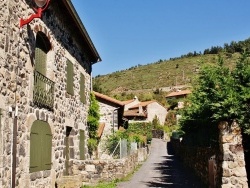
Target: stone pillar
[233,162]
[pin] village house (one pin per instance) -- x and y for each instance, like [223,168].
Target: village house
[178,95]
[111,118]
[45,75]
[136,111]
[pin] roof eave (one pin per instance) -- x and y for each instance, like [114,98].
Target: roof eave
[84,32]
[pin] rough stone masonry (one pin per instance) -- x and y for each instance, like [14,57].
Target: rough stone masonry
[17,66]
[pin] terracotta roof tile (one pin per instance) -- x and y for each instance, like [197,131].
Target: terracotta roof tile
[178,93]
[127,102]
[143,104]
[107,98]
[133,113]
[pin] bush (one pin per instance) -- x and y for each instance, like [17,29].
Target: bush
[111,144]
[173,103]
[136,132]
[143,129]
[92,145]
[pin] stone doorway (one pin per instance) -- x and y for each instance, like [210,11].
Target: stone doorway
[246,146]
[67,142]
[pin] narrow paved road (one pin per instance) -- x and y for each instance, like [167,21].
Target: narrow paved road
[162,169]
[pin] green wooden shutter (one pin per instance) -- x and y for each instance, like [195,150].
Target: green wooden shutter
[46,147]
[40,66]
[70,80]
[35,150]
[82,89]
[82,145]
[40,146]
[40,61]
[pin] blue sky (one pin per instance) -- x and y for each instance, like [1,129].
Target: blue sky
[131,32]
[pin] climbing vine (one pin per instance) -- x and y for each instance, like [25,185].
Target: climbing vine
[93,122]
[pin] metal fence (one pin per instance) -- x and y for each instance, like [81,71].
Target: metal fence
[124,148]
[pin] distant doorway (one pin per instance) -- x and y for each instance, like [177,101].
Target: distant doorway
[67,151]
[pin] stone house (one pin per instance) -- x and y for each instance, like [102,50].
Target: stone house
[178,95]
[128,104]
[45,76]
[111,117]
[144,111]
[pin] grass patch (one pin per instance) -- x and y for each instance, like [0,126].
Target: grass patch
[112,184]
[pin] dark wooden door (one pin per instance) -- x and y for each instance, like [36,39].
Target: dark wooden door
[67,150]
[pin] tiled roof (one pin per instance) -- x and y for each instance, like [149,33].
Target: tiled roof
[142,104]
[127,102]
[178,93]
[107,98]
[100,129]
[133,113]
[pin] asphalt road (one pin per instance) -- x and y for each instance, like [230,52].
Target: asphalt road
[162,169]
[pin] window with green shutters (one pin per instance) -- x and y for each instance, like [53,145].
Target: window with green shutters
[40,61]
[42,48]
[41,58]
[70,80]
[82,89]
[40,146]
[43,92]
[82,145]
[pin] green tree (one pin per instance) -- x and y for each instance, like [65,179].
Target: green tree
[220,94]
[156,123]
[97,85]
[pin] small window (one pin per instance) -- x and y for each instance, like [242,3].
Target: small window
[82,89]
[70,79]
[40,146]
[82,145]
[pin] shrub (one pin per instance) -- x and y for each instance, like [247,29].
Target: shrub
[92,145]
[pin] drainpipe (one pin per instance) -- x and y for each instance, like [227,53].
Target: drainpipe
[14,131]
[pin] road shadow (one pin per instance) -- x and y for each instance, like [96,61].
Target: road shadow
[174,174]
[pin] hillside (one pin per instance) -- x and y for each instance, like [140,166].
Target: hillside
[179,71]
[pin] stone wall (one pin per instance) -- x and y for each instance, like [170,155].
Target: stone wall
[17,66]
[222,167]
[94,171]
[196,158]
[233,163]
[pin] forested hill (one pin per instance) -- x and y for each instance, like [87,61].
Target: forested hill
[165,73]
